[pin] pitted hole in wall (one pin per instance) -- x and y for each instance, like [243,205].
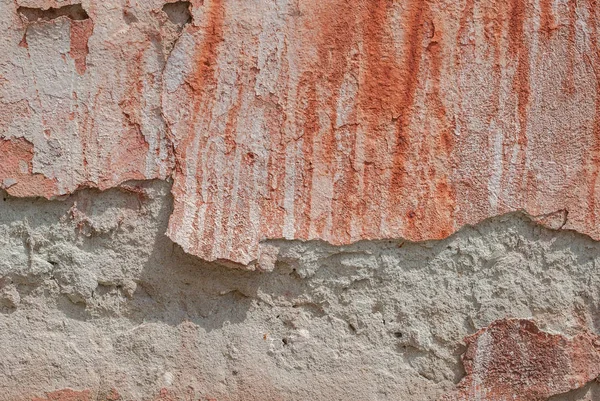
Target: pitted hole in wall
[73,11]
[178,13]
[129,16]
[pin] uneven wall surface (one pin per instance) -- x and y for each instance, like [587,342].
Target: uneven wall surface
[95,297]
[299,200]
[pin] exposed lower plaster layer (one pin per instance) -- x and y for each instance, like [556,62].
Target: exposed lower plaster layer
[95,298]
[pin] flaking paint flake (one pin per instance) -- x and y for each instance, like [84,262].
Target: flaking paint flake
[90,80]
[345,121]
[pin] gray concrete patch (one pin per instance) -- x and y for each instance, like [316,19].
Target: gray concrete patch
[95,296]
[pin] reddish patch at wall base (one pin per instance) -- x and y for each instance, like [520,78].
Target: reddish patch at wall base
[512,359]
[66,395]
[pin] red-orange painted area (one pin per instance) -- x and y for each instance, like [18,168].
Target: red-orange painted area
[513,359]
[386,120]
[80,34]
[339,120]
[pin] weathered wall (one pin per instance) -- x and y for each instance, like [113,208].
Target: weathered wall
[332,120]
[94,297]
[415,180]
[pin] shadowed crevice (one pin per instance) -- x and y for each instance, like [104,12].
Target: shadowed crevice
[178,12]
[73,11]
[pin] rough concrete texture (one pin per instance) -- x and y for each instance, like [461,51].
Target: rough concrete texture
[417,181]
[96,298]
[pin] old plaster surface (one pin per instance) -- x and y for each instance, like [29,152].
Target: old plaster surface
[80,96]
[399,168]
[333,120]
[347,120]
[94,298]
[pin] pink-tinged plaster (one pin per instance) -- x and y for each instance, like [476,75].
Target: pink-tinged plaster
[338,121]
[93,93]
[16,170]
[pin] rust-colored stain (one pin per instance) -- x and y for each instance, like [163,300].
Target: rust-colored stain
[66,395]
[380,119]
[512,359]
[16,171]
[334,120]
[80,34]
[93,113]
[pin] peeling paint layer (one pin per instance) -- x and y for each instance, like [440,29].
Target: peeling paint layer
[512,359]
[90,81]
[333,120]
[366,119]
[16,170]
